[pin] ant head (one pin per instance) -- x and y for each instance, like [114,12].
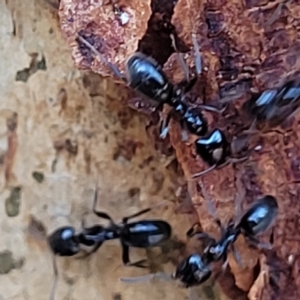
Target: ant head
[63,242]
[192,271]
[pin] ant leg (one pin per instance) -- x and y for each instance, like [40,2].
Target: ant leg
[159,107]
[236,256]
[113,68]
[221,227]
[240,196]
[147,277]
[237,160]
[257,244]
[86,253]
[184,130]
[192,230]
[279,131]
[198,61]
[144,211]
[125,254]
[55,279]
[138,264]
[96,247]
[83,223]
[164,128]
[224,265]
[210,206]
[199,174]
[82,240]
[126,260]
[229,160]
[199,234]
[211,108]
[212,210]
[180,60]
[205,237]
[252,129]
[103,215]
[100,214]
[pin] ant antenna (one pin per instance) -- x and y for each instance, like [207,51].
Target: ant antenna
[240,195]
[180,59]
[210,206]
[198,62]
[55,278]
[95,200]
[209,203]
[113,68]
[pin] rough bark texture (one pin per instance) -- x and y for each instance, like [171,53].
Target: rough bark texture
[246,46]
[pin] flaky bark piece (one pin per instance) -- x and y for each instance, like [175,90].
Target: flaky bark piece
[115,33]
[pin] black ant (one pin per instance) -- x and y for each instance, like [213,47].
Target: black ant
[147,77]
[196,268]
[273,106]
[141,234]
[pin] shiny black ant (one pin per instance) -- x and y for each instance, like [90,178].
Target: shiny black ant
[141,234]
[273,106]
[196,268]
[146,76]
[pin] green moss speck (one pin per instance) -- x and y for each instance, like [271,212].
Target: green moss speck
[13,202]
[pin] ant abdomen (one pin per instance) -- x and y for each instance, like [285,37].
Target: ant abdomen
[259,217]
[146,76]
[146,233]
[274,106]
